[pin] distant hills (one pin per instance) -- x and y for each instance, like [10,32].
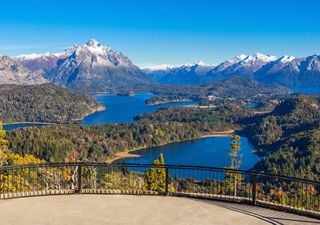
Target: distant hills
[93,67]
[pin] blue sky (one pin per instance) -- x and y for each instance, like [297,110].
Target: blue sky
[163,32]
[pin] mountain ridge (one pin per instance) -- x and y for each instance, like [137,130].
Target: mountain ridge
[95,67]
[12,72]
[90,67]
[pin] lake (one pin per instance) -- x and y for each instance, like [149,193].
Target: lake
[22,125]
[121,109]
[211,151]
[306,90]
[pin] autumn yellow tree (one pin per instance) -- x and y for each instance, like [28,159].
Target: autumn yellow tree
[232,178]
[16,180]
[3,146]
[156,177]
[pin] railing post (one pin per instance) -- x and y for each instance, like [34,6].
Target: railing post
[253,179]
[167,181]
[79,179]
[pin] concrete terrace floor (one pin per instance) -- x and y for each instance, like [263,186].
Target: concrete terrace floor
[126,209]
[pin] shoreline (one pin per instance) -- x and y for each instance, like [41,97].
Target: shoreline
[100,108]
[128,153]
[41,123]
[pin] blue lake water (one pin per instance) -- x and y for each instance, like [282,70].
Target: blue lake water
[308,90]
[21,125]
[124,108]
[212,151]
[119,109]
[205,152]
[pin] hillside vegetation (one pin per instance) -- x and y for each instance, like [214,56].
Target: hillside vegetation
[43,103]
[97,143]
[289,138]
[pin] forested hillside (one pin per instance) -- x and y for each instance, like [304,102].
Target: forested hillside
[289,138]
[216,119]
[43,103]
[97,143]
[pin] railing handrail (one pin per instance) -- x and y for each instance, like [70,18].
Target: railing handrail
[169,166]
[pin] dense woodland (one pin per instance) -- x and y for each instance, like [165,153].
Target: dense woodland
[205,120]
[43,103]
[97,143]
[239,88]
[234,90]
[288,138]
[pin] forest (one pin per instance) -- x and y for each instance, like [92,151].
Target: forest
[57,143]
[287,139]
[43,103]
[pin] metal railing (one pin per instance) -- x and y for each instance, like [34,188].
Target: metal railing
[280,192]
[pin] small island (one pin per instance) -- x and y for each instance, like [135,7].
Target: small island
[166,99]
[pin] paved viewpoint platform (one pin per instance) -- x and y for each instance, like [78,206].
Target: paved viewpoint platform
[123,210]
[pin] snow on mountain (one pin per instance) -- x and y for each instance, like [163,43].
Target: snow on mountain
[34,56]
[95,67]
[41,63]
[99,54]
[287,59]
[150,69]
[185,74]
[292,72]
[12,72]
[249,64]
[228,63]
[273,66]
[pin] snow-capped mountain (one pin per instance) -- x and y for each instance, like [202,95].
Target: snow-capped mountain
[185,74]
[12,72]
[292,72]
[250,64]
[226,64]
[95,67]
[286,70]
[42,63]
[241,65]
[88,67]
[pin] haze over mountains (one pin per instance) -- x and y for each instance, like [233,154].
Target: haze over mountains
[94,67]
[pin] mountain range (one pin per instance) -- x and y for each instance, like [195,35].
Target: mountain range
[286,71]
[93,67]
[185,74]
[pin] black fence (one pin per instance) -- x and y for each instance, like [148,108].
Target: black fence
[280,192]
